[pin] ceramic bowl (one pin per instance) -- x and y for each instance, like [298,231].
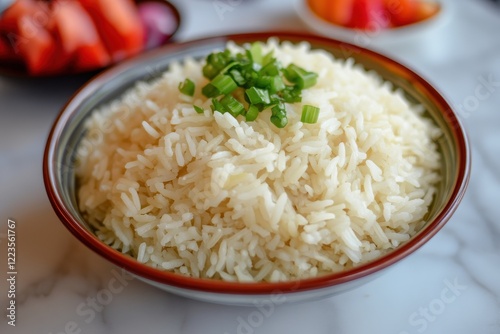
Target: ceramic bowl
[412,34]
[18,70]
[68,129]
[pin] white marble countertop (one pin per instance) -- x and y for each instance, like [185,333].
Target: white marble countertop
[451,285]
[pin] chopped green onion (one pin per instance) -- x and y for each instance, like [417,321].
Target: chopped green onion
[277,85]
[233,106]
[199,110]
[264,84]
[272,68]
[210,71]
[268,58]
[217,106]
[216,62]
[255,53]
[257,96]
[279,122]
[302,78]
[237,77]
[278,116]
[252,113]
[275,99]
[224,84]
[292,94]
[310,114]
[187,87]
[221,85]
[210,90]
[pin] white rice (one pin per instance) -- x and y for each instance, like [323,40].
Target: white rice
[208,195]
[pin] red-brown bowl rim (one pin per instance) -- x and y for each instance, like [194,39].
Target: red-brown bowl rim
[217,286]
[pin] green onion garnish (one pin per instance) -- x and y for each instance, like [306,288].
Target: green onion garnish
[256,80]
[277,85]
[199,110]
[272,68]
[292,94]
[256,53]
[187,87]
[224,84]
[302,78]
[237,77]
[215,63]
[257,96]
[233,106]
[269,57]
[278,115]
[209,90]
[310,114]
[218,106]
[252,113]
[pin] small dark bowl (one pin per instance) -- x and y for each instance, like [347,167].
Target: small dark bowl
[58,169]
[18,70]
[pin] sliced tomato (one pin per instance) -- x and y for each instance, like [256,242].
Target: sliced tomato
[91,57]
[340,11]
[78,36]
[119,25]
[24,26]
[368,15]
[318,7]
[7,53]
[401,12]
[425,10]
[37,47]
[9,19]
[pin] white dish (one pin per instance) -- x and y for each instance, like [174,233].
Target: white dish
[409,34]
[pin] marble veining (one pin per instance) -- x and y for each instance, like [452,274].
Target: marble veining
[451,285]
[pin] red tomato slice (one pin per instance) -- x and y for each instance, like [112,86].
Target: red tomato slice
[24,26]
[338,12]
[7,53]
[425,10]
[119,25]
[36,46]
[318,7]
[10,18]
[401,12]
[368,15]
[78,36]
[91,57]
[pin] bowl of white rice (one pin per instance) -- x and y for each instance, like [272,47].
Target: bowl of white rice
[213,207]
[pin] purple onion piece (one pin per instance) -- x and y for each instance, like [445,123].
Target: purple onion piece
[159,22]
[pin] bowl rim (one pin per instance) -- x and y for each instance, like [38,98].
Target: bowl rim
[218,286]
